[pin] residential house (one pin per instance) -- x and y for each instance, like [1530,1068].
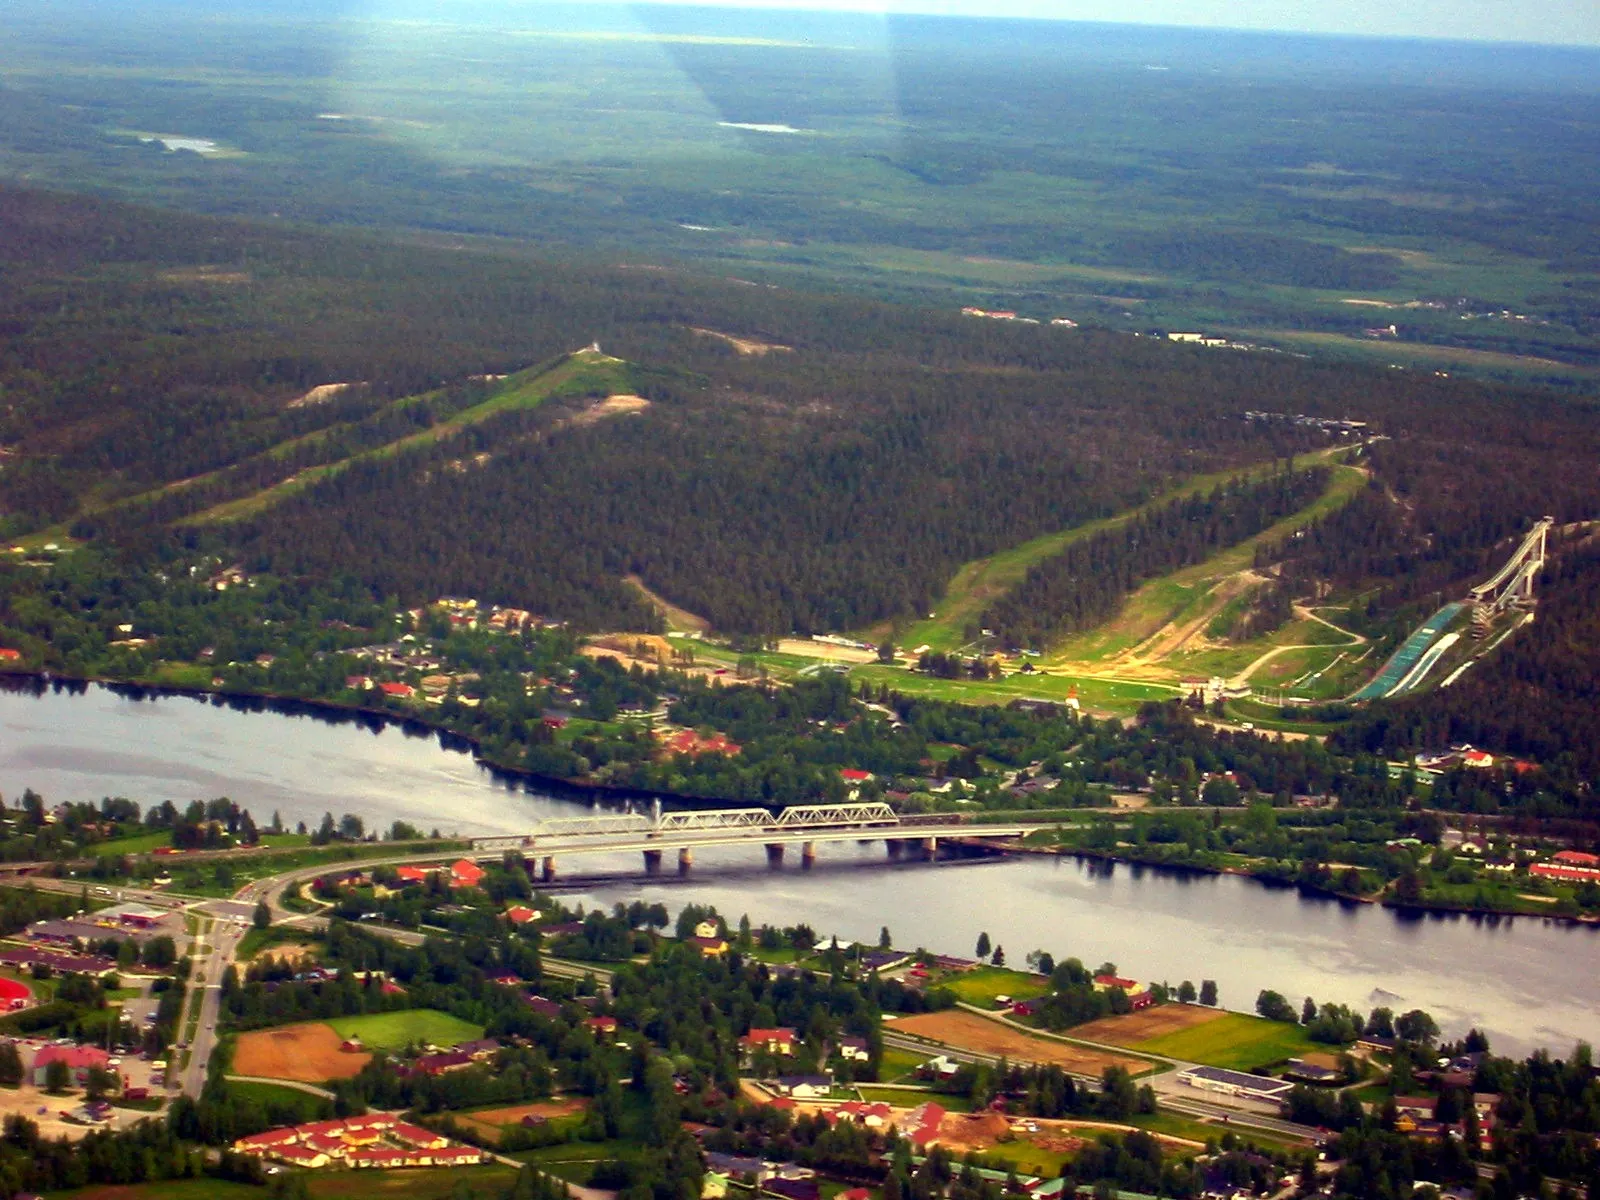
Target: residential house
[439,1064]
[521,914]
[80,1060]
[602,1027]
[465,873]
[772,1041]
[922,1125]
[804,1087]
[853,1049]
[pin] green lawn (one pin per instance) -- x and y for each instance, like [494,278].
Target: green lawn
[277,1094]
[391,1031]
[173,1189]
[982,985]
[443,1183]
[910,1097]
[1235,1041]
[899,1064]
[256,940]
[139,843]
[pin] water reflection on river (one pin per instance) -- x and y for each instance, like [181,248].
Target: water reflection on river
[1526,981]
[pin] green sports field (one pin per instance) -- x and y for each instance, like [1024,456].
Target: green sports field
[1235,1041]
[391,1031]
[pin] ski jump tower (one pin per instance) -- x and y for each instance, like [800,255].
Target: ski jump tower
[1512,585]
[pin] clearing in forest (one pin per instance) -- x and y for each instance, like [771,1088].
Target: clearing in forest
[981,582]
[586,371]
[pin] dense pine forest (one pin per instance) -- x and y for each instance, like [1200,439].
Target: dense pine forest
[830,471]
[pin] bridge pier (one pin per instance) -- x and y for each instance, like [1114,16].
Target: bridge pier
[774,854]
[930,847]
[547,871]
[652,861]
[685,860]
[808,854]
[894,846]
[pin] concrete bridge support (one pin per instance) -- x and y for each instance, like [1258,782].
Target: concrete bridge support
[652,861]
[808,854]
[547,871]
[685,860]
[894,846]
[774,854]
[930,847]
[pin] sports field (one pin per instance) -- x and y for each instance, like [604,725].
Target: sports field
[413,1026]
[1233,1040]
[969,1031]
[307,1053]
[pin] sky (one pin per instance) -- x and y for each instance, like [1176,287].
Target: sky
[1555,22]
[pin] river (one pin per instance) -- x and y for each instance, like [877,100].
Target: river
[1525,981]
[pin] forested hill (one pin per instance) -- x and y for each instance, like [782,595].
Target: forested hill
[830,468]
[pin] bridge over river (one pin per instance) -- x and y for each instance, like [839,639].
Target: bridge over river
[807,825]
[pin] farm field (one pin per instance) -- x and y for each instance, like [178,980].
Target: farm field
[1137,1028]
[307,1053]
[1234,1040]
[490,1122]
[171,1189]
[979,1035]
[413,1026]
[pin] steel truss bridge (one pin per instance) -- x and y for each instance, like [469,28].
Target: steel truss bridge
[1512,584]
[686,830]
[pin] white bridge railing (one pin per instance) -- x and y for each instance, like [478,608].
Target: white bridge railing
[599,826]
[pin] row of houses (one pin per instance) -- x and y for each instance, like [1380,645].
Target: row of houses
[377,1140]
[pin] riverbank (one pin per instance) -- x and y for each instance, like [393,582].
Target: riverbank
[593,793]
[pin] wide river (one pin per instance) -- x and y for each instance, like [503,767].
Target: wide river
[1525,981]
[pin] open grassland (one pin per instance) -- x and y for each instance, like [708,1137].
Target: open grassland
[577,374]
[490,1123]
[1234,1040]
[980,1035]
[442,1183]
[980,582]
[171,1189]
[1167,614]
[1100,695]
[413,1026]
[983,984]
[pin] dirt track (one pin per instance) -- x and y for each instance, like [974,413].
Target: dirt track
[308,1053]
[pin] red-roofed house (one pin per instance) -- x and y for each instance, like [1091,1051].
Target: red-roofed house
[687,741]
[602,1026]
[1563,871]
[7,654]
[400,691]
[465,873]
[80,1061]
[383,1157]
[922,1125]
[851,775]
[1480,759]
[418,1137]
[438,1064]
[521,914]
[258,1143]
[301,1156]
[774,1041]
[452,1156]
[1577,858]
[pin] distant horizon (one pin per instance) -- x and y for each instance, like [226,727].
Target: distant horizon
[1573,24]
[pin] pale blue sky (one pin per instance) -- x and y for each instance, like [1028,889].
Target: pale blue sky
[1567,22]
